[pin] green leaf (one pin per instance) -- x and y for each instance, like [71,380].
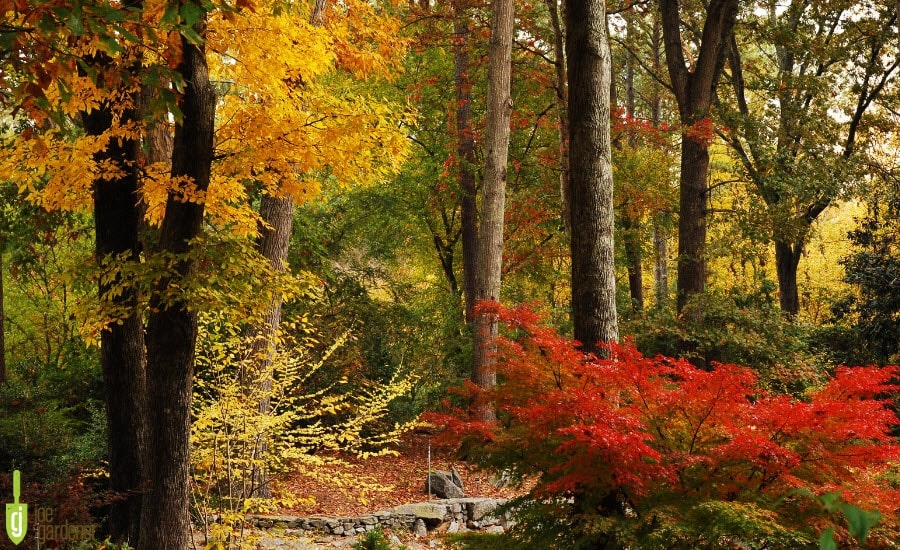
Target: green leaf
[860,521]
[7,39]
[826,541]
[191,13]
[192,36]
[111,45]
[75,24]
[830,500]
[170,17]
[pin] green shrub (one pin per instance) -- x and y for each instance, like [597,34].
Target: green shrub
[375,540]
[742,329]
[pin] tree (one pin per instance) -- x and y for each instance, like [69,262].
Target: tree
[694,88]
[490,233]
[590,174]
[86,58]
[466,156]
[844,63]
[696,458]
[122,358]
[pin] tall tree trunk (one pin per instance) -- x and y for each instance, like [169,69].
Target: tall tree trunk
[2,321]
[490,234]
[694,89]
[593,261]
[277,214]
[122,359]
[562,109]
[631,238]
[692,220]
[660,234]
[172,326]
[465,150]
[787,259]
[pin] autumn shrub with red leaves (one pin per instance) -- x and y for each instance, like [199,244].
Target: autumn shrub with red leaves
[636,452]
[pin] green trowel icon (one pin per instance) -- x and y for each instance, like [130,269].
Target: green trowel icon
[16,514]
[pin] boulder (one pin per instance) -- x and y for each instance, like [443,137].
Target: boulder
[444,484]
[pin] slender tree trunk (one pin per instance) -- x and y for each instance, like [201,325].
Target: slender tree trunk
[172,326]
[631,238]
[593,261]
[2,321]
[465,150]
[562,109]
[661,264]
[660,235]
[122,360]
[490,234]
[277,214]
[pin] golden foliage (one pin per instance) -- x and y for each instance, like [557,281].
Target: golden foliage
[233,436]
[285,122]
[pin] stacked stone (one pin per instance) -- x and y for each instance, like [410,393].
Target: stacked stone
[458,514]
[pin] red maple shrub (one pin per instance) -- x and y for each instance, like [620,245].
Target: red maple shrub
[638,452]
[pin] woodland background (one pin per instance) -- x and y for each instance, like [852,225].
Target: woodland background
[284,209]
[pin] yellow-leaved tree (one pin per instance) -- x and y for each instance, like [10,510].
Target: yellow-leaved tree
[170,120]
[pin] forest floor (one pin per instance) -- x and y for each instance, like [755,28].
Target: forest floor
[378,483]
[382,482]
[375,483]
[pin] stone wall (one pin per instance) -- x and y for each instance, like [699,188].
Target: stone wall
[452,515]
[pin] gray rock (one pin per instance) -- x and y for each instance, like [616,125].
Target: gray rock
[478,509]
[454,477]
[420,529]
[443,485]
[422,510]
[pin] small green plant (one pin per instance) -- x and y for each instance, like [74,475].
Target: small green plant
[376,540]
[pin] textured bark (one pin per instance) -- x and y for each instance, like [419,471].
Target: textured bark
[490,234]
[122,359]
[593,263]
[172,327]
[660,236]
[787,259]
[631,238]
[562,109]
[694,89]
[465,150]
[277,213]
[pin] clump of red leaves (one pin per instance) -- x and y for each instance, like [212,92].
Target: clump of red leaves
[659,429]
